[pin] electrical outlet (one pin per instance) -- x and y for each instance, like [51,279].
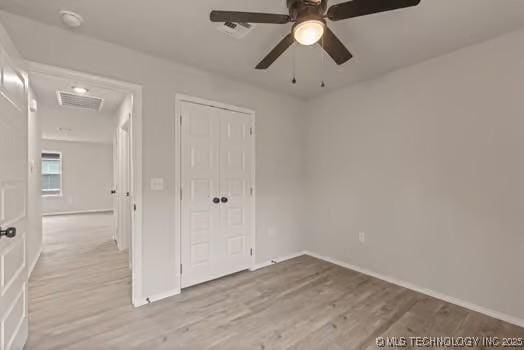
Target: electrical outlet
[362,237]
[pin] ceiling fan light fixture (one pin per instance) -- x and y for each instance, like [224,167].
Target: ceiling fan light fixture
[309,32]
[80,90]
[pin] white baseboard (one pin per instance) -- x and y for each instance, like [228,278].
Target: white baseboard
[94,211]
[452,300]
[156,297]
[275,261]
[144,301]
[35,260]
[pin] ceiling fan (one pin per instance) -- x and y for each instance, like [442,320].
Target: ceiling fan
[310,26]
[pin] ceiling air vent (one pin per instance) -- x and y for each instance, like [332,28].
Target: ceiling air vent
[67,99]
[235,30]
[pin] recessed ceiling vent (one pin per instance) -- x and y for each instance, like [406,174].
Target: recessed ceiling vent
[236,30]
[67,99]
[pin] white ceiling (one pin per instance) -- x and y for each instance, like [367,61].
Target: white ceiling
[46,86]
[73,124]
[76,125]
[181,31]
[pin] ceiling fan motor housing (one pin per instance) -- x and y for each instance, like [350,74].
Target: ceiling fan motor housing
[303,10]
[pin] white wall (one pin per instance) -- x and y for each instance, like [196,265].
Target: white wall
[279,128]
[34,204]
[84,125]
[428,162]
[87,177]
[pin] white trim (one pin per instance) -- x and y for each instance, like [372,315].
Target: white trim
[438,295]
[137,190]
[60,195]
[255,267]
[179,98]
[211,103]
[59,139]
[276,261]
[157,297]
[35,261]
[78,212]
[254,187]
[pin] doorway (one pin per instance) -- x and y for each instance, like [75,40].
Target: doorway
[106,162]
[217,182]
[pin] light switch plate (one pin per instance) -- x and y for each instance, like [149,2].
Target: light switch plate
[157,184]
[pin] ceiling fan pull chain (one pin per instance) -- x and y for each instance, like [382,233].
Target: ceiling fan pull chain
[294,80]
[322,55]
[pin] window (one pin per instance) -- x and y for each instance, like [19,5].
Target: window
[51,174]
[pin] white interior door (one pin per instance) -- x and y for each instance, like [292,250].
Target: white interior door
[123,188]
[126,194]
[114,190]
[216,164]
[13,189]
[200,191]
[236,174]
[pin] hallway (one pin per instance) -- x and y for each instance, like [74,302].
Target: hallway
[80,266]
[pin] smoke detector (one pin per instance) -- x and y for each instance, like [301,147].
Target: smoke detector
[71,19]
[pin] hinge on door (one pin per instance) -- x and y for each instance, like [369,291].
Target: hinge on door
[250,131]
[180,268]
[251,252]
[181,194]
[180,119]
[134,207]
[251,190]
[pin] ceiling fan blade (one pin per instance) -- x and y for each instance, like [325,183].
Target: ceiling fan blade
[334,47]
[248,17]
[358,8]
[276,52]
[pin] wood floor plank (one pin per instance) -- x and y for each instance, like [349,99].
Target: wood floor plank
[80,299]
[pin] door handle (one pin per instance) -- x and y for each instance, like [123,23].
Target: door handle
[224,199]
[8,232]
[216,200]
[113,191]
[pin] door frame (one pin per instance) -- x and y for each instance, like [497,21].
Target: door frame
[179,99]
[137,298]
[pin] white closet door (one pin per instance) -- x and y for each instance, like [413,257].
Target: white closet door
[199,214]
[236,170]
[216,193]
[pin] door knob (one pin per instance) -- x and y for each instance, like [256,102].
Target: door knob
[224,199]
[9,232]
[216,200]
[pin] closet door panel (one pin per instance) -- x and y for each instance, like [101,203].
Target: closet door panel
[236,157]
[200,184]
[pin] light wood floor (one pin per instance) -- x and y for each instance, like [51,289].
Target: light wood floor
[79,299]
